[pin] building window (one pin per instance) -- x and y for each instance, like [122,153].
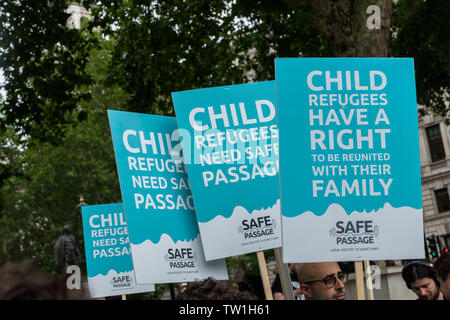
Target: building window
[435,142]
[443,201]
[447,241]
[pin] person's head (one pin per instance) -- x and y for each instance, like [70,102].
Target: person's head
[442,267]
[66,229]
[293,268]
[420,277]
[24,281]
[211,289]
[321,281]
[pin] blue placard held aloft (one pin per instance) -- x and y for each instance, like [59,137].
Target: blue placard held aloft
[108,256]
[230,145]
[159,208]
[349,159]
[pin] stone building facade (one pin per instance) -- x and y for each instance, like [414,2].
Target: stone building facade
[434,139]
[78,15]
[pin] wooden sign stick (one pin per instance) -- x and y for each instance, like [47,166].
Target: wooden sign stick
[359,274]
[264,275]
[368,280]
[124,297]
[285,276]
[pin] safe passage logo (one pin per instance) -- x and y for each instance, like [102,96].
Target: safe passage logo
[355,232]
[125,281]
[257,227]
[181,258]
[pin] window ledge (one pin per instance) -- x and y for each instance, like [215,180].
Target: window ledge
[439,215]
[438,164]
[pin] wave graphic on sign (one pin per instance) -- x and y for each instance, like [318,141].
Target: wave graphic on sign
[111,271]
[387,224]
[165,241]
[241,211]
[338,209]
[239,223]
[152,265]
[116,283]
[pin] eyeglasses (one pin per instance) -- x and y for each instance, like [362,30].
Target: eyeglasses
[330,280]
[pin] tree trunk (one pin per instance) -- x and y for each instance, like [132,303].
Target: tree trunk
[343,23]
[375,42]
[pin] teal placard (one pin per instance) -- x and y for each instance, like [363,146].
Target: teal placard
[230,144]
[349,159]
[108,254]
[164,236]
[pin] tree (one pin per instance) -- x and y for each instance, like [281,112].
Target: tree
[43,198]
[320,28]
[43,62]
[420,30]
[167,46]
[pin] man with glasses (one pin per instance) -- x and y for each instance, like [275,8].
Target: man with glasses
[321,281]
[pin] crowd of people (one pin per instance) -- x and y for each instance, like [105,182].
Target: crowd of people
[311,281]
[326,281]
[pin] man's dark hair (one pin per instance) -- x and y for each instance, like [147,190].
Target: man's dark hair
[25,281]
[211,289]
[442,266]
[415,270]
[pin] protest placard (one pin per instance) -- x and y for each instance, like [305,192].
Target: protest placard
[108,259]
[230,145]
[164,236]
[349,159]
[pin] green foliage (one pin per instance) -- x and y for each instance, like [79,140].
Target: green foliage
[421,31]
[37,204]
[269,29]
[43,62]
[166,46]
